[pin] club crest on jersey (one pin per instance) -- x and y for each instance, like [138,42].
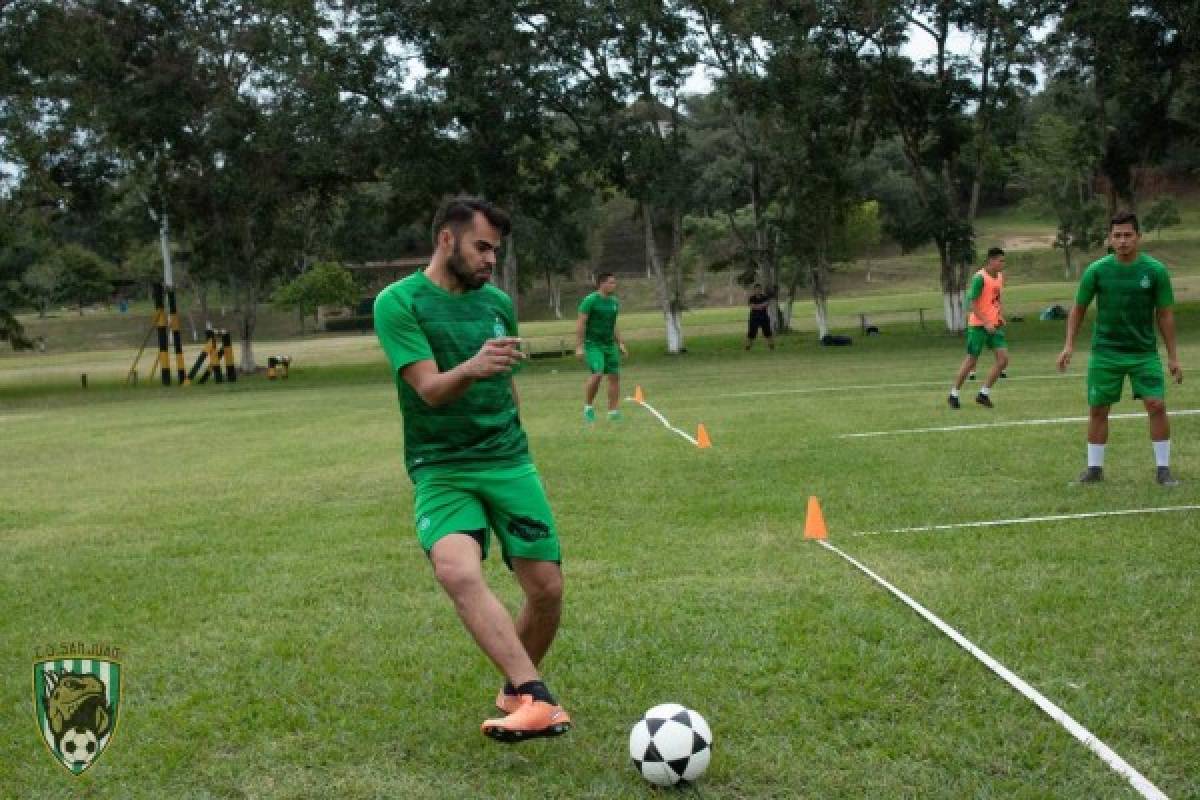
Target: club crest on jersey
[75,703]
[498,328]
[1145,282]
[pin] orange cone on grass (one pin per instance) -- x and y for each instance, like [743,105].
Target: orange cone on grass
[702,440]
[638,397]
[814,521]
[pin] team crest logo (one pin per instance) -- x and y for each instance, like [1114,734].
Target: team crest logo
[75,702]
[498,328]
[1145,281]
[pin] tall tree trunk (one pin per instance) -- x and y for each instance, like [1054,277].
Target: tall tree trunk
[667,299]
[508,270]
[820,291]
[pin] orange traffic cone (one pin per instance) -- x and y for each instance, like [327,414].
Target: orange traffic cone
[638,397]
[702,440]
[814,521]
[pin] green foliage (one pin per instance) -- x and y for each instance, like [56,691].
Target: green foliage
[323,284]
[83,276]
[1163,214]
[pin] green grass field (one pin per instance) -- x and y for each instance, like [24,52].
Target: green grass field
[250,549]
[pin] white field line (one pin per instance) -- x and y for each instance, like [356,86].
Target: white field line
[663,419]
[1143,786]
[868,386]
[1027,520]
[1010,424]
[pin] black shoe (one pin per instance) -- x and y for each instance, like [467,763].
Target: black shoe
[971,377]
[1091,475]
[1003,374]
[953,401]
[984,400]
[1164,477]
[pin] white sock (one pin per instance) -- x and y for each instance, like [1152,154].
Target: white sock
[985,391]
[1162,452]
[954,392]
[1095,455]
[587,407]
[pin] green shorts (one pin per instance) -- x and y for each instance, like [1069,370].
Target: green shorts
[1106,375]
[508,500]
[978,337]
[602,358]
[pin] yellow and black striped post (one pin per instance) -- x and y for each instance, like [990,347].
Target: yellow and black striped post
[205,355]
[160,322]
[227,346]
[173,311]
[217,355]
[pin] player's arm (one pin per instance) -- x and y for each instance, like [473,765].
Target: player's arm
[580,327]
[1074,320]
[974,292]
[438,388]
[620,341]
[516,397]
[1166,326]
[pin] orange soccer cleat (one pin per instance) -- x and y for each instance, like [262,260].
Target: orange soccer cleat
[532,719]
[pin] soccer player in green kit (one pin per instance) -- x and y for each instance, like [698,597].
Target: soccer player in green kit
[451,339]
[1133,295]
[598,343]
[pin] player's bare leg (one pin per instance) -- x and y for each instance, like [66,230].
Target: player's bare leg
[614,396]
[1160,438]
[968,365]
[984,398]
[590,388]
[1097,436]
[458,567]
[537,622]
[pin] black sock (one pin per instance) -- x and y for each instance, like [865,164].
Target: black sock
[538,690]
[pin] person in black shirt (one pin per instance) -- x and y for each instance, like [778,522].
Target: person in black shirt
[760,317]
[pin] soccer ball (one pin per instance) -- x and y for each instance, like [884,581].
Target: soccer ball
[78,746]
[670,744]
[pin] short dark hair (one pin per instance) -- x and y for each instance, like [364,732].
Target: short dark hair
[995,251]
[458,212]
[601,277]
[1125,218]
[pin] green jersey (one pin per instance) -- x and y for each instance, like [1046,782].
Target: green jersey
[417,320]
[1127,296]
[602,318]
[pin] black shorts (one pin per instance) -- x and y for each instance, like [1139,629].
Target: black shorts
[759,322]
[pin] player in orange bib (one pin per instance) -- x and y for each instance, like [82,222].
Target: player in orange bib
[985,328]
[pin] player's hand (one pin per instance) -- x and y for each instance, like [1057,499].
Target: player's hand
[579,351]
[1064,360]
[621,347]
[496,356]
[1175,370]
[990,329]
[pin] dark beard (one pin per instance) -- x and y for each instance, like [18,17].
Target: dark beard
[467,279]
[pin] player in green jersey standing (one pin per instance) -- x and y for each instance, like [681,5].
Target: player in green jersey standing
[1133,295]
[599,344]
[451,339]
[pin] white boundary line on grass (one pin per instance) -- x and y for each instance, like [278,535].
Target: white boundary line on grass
[859,387]
[1010,424]
[1139,782]
[663,419]
[1026,520]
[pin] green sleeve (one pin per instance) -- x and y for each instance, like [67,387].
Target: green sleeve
[585,305]
[401,337]
[1164,295]
[1087,287]
[976,290]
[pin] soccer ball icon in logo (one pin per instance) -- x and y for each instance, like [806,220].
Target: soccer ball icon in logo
[670,744]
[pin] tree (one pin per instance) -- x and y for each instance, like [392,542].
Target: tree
[1163,214]
[323,284]
[1056,162]
[44,280]
[86,277]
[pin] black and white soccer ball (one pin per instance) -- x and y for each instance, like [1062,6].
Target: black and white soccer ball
[78,746]
[670,744]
